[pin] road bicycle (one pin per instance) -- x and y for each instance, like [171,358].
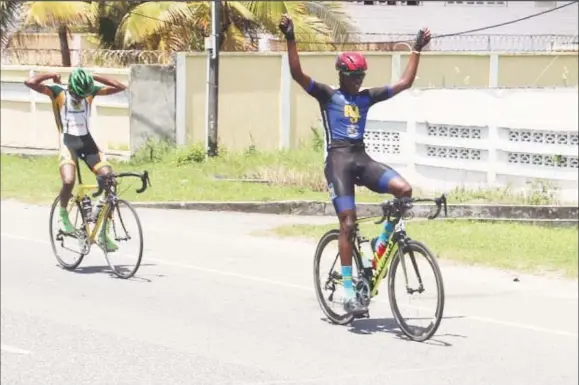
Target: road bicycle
[92,228]
[367,280]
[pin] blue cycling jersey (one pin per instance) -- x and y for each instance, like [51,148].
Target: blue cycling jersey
[344,116]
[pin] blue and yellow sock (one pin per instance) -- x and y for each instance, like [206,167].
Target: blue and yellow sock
[347,279]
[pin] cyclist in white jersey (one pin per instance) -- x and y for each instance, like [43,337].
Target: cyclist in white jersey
[71,106]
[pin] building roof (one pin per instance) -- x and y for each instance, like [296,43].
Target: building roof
[382,22]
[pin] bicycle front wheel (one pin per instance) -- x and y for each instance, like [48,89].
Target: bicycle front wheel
[121,239]
[413,280]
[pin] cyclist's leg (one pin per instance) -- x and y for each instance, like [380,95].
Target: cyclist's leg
[94,158]
[97,162]
[383,179]
[340,178]
[67,168]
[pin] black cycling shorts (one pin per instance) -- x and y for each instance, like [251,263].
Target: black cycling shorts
[347,166]
[84,147]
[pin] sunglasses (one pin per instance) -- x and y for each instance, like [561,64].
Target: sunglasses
[355,74]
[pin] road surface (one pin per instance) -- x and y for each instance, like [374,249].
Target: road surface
[215,304]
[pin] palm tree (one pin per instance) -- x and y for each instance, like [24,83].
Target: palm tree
[9,17]
[109,19]
[316,23]
[178,26]
[59,14]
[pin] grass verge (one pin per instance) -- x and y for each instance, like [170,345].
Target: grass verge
[516,247]
[184,174]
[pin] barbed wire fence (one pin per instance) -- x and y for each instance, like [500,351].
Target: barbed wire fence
[386,42]
[86,57]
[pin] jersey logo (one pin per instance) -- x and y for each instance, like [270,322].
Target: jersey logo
[352,112]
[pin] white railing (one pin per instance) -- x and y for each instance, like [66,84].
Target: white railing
[442,139]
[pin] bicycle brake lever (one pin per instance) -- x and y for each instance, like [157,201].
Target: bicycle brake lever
[380,220]
[438,202]
[382,206]
[100,183]
[146,179]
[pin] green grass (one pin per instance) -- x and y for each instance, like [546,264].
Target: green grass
[185,175]
[516,247]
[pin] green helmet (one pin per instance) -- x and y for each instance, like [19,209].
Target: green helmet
[80,82]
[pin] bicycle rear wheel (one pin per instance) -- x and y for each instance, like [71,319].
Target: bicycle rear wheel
[332,278]
[115,227]
[411,250]
[76,243]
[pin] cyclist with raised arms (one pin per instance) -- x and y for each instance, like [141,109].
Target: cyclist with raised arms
[71,106]
[344,112]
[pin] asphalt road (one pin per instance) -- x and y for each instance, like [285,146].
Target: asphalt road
[214,304]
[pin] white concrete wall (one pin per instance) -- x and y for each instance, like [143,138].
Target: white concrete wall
[27,120]
[441,139]
[437,138]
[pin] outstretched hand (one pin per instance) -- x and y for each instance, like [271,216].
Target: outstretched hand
[422,39]
[286,26]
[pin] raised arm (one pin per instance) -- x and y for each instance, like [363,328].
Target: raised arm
[111,86]
[287,28]
[320,91]
[378,94]
[407,79]
[36,81]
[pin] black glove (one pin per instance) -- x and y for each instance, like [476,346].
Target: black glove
[422,39]
[286,27]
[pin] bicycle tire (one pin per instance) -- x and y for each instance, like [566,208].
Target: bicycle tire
[417,247]
[108,213]
[332,316]
[67,266]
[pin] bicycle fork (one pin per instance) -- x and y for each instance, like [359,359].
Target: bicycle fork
[410,290]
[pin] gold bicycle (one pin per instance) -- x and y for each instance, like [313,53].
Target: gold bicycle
[90,229]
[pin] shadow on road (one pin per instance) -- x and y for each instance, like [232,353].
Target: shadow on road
[105,269]
[389,325]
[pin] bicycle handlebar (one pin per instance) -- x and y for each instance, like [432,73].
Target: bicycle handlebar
[400,205]
[102,179]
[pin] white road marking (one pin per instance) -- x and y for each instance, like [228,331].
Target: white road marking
[310,289]
[12,349]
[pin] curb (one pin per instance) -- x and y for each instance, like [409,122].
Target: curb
[526,213]
[48,151]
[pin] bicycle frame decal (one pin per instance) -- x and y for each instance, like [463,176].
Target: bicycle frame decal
[382,268]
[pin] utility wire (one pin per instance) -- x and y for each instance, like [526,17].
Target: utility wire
[433,36]
[507,22]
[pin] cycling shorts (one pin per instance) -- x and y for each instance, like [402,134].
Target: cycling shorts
[84,147]
[350,165]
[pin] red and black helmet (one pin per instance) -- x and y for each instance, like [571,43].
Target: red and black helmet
[351,63]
